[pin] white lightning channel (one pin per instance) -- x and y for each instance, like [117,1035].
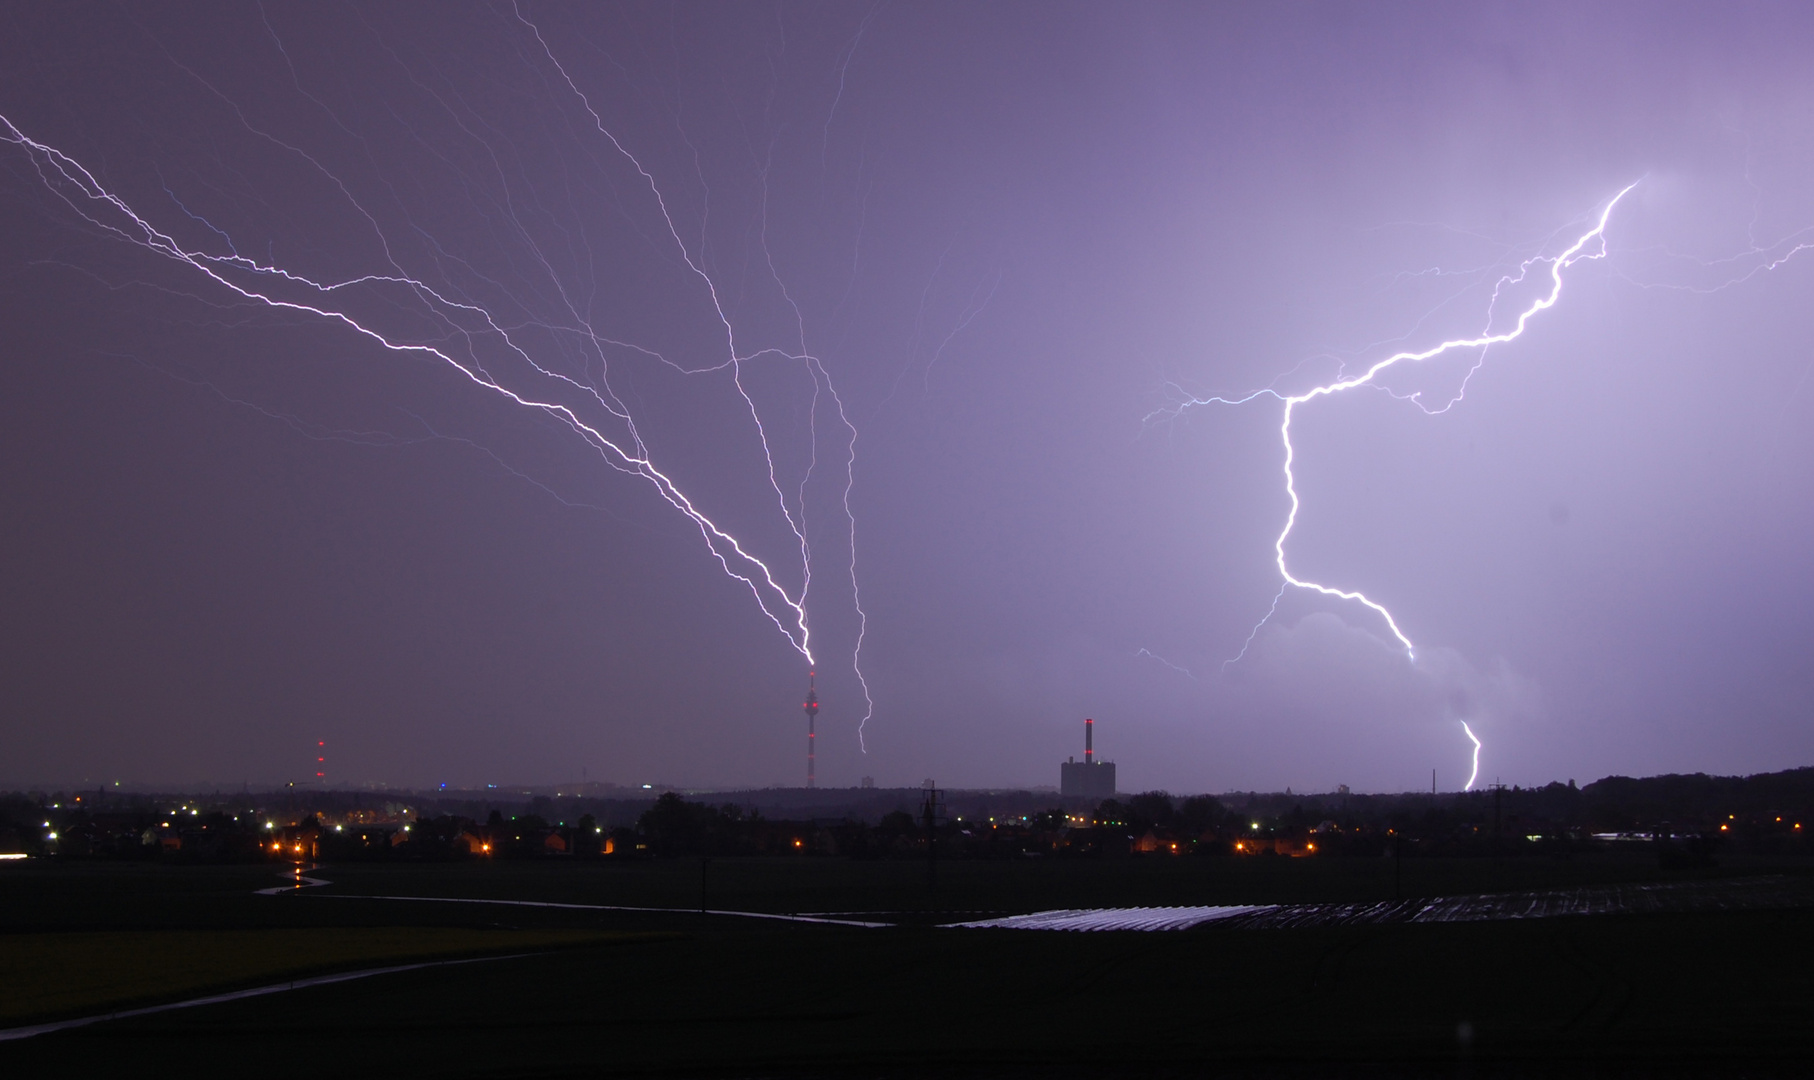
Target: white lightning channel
[84,194]
[1151,655]
[815,367]
[1472,776]
[1590,245]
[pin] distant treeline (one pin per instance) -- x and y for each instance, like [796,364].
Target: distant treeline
[1696,813]
[1688,803]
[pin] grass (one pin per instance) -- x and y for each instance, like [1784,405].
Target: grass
[818,885]
[46,976]
[1713,994]
[677,994]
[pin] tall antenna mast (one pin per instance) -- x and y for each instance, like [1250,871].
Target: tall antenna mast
[812,717]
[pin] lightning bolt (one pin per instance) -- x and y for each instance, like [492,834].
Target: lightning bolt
[71,182]
[1472,776]
[460,326]
[1590,245]
[1151,655]
[815,367]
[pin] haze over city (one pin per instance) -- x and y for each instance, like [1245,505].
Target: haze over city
[896,326]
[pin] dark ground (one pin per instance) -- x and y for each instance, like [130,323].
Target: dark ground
[1713,993]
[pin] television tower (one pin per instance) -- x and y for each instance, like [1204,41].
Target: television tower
[812,716]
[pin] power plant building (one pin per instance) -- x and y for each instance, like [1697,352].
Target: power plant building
[1089,778]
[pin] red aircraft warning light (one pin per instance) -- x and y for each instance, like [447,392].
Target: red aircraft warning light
[812,715]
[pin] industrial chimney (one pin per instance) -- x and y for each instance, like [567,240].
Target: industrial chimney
[1089,778]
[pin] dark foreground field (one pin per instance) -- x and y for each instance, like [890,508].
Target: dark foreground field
[571,992]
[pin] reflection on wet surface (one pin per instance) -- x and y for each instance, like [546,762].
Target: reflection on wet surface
[1739,895]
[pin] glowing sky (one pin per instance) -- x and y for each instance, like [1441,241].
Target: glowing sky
[1016,239]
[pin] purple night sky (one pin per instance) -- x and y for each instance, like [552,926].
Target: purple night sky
[1015,238]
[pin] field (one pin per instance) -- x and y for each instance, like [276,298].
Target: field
[678,993]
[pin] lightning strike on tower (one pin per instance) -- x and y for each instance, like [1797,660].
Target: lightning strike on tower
[493,346]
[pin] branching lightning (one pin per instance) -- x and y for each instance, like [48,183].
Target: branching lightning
[490,349]
[257,282]
[1590,245]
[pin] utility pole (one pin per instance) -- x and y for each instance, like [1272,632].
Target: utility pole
[931,809]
